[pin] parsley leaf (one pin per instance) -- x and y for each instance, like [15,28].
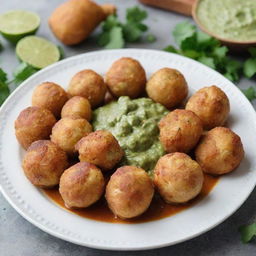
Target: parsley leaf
[247,232]
[182,31]
[116,39]
[135,14]
[116,33]
[250,93]
[4,89]
[22,72]
[250,67]
[205,49]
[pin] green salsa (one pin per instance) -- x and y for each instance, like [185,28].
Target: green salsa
[134,123]
[229,19]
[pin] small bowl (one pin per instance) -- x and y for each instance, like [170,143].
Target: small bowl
[233,45]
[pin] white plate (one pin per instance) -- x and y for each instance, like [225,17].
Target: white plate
[231,191]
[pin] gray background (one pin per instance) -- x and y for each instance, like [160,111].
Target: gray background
[20,238]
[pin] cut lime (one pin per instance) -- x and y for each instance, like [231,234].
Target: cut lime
[37,51]
[14,25]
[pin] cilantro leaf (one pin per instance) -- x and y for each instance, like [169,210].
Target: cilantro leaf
[3,76]
[220,52]
[247,232]
[150,38]
[252,51]
[135,14]
[4,89]
[182,31]
[116,39]
[250,93]
[62,53]
[170,48]
[22,72]
[115,33]
[250,67]
[208,61]
[132,32]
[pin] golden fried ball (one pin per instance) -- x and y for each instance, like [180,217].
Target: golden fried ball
[33,123]
[77,107]
[68,131]
[168,87]
[50,96]
[81,185]
[100,148]
[211,104]
[180,131]
[129,192]
[219,151]
[178,178]
[43,163]
[126,77]
[87,83]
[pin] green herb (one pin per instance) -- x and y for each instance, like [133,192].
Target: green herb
[62,53]
[150,38]
[22,72]
[250,93]
[1,46]
[247,232]
[250,64]
[116,33]
[4,89]
[205,49]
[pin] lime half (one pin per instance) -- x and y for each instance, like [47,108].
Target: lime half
[14,25]
[37,51]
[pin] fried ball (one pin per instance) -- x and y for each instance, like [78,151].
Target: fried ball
[68,131]
[178,178]
[77,107]
[100,148]
[126,77]
[168,87]
[219,151]
[211,104]
[43,163]
[81,185]
[180,131]
[50,96]
[88,84]
[129,192]
[33,123]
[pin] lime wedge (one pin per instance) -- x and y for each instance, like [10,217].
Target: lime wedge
[37,51]
[14,25]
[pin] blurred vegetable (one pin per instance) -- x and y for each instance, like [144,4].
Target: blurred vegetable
[247,232]
[250,93]
[250,64]
[4,89]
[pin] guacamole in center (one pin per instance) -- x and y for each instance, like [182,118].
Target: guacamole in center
[229,19]
[134,123]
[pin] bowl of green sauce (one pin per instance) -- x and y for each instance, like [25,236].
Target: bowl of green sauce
[233,22]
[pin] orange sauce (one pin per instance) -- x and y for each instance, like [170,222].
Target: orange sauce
[157,210]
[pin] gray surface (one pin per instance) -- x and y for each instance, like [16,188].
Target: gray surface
[20,238]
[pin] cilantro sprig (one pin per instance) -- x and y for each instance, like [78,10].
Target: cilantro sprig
[250,64]
[247,232]
[250,93]
[205,49]
[115,34]
[21,73]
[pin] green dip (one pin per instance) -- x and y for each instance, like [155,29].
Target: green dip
[229,19]
[134,123]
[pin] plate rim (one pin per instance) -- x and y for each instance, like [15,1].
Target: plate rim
[117,247]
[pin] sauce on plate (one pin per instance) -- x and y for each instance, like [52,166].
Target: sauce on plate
[157,210]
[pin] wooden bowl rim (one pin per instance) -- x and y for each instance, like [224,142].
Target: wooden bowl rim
[203,28]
